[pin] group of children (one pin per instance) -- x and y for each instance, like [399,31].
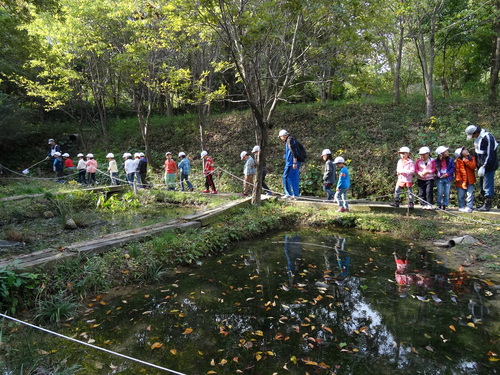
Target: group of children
[441,171]
[330,180]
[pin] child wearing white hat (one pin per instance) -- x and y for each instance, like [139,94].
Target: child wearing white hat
[425,169]
[405,170]
[329,178]
[249,172]
[445,171]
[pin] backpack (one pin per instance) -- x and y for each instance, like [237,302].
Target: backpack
[297,149]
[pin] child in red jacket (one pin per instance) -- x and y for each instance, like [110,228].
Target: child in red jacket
[465,164]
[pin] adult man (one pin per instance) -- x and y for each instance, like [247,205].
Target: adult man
[485,146]
[53,148]
[292,166]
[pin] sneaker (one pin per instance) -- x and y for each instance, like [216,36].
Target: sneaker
[191,189]
[341,209]
[394,204]
[243,195]
[206,191]
[269,193]
[411,205]
[286,196]
[467,210]
[462,209]
[213,192]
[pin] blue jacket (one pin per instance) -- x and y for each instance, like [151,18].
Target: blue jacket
[450,169]
[344,181]
[289,153]
[184,166]
[58,164]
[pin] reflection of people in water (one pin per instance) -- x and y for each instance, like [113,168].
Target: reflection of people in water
[293,253]
[337,270]
[405,278]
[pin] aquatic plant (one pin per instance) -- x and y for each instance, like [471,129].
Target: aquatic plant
[56,307]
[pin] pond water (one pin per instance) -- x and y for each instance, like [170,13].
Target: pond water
[298,302]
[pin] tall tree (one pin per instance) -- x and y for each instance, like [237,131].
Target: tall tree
[266,41]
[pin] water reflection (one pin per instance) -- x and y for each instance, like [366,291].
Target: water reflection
[306,301]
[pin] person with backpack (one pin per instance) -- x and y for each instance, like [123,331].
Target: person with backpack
[294,155]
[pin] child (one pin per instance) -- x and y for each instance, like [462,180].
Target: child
[82,169]
[137,158]
[405,170]
[465,179]
[329,178]
[142,169]
[129,167]
[255,152]
[91,169]
[184,167]
[208,170]
[68,165]
[343,183]
[425,168]
[249,171]
[445,170]
[58,166]
[112,168]
[170,169]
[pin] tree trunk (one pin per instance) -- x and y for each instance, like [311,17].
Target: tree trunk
[203,110]
[397,68]
[495,64]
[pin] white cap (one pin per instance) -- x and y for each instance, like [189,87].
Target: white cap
[51,140]
[80,155]
[243,154]
[282,132]
[326,151]
[137,155]
[441,149]
[255,149]
[339,159]
[203,154]
[458,152]
[66,155]
[168,153]
[90,155]
[126,155]
[404,149]
[471,129]
[424,150]
[110,156]
[182,154]
[57,153]
[141,154]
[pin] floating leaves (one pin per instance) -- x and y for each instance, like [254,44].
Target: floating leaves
[156,345]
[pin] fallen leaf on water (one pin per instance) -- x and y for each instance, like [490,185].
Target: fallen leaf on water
[173,351]
[187,331]
[212,362]
[211,372]
[148,328]
[258,357]
[452,327]
[259,333]
[429,348]
[91,341]
[156,345]
[236,359]
[470,324]
[223,362]
[293,359]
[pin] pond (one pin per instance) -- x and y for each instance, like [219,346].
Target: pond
[298,302]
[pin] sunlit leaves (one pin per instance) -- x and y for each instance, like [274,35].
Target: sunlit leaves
[156,345]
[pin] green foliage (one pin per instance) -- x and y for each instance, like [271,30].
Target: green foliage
[123,202]
[56,307]
[14,286]
[311,180]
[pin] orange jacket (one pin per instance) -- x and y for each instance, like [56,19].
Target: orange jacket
[464,172]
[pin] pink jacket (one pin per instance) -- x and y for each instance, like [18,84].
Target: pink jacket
[91,166]
[425,172]
[405,170]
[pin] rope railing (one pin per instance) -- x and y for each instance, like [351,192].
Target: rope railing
[90,345]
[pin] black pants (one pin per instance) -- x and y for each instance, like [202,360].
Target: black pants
[426,191]
[209,183]
[144,181]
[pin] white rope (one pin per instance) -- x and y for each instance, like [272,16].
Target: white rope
[90,345]
[458,216]
[36,178]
